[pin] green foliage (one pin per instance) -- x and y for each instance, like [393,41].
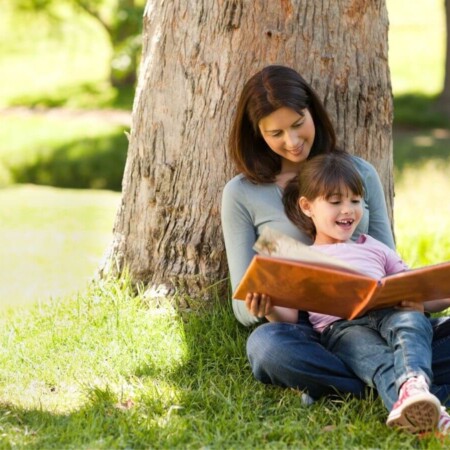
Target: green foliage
[83,153]
[418,110]
[94,163]
[84,96]
[120,19]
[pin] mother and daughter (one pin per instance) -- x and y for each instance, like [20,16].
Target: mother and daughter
[281,131]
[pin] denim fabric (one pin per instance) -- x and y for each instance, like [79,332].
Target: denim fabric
[292,356]
[374,343]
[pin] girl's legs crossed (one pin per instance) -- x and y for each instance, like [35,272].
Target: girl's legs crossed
[409,335]
[366,353]
[292,356]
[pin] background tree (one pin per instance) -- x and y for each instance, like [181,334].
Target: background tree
[120,19]
[196,57]
[444,97]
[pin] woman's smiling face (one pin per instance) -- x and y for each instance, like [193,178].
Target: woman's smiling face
[289,134]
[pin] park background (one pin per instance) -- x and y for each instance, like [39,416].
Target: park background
[62,151]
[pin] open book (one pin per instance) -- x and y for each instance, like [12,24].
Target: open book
[297,276]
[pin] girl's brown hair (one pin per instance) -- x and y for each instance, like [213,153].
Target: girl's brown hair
[321,176]
[272,88]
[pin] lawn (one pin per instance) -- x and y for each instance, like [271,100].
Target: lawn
[52,240]
[97,366]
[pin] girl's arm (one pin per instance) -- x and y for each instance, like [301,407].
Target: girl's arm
[437,305]
[260,305]
[431,306]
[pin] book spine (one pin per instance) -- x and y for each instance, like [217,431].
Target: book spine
[364,305]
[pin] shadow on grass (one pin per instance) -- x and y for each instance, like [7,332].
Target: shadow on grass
[414,148]
[93,163]
[210,400]
[103,422]
[417,110]
[421,132]
[170,406]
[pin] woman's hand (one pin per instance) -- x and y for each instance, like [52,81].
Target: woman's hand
[259,305]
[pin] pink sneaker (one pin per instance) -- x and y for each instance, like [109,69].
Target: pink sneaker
[444,422]
[416,410]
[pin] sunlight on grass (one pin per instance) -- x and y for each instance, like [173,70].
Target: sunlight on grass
[416,45]
[422,213]
[52,240]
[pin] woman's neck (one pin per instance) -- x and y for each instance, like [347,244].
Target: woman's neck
[288,171]
[283,178]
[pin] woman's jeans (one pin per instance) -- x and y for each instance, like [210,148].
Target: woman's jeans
[384,348]
[291,355]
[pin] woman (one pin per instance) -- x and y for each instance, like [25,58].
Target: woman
[280,122]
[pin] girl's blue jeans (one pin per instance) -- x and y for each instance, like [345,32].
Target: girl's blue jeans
[383,348]
[291,355]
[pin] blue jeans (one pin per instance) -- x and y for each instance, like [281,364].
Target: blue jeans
[291,355]
[383,348]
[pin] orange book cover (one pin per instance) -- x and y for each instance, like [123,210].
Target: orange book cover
[298,277]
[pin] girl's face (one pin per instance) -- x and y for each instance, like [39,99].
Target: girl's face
[335,217]
[290,135]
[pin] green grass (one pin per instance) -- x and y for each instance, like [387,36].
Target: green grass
[416,61]
[416,46]
[422,213]
[95,366]
[52,241]
[107,370]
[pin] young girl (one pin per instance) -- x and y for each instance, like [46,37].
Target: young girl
[325,202]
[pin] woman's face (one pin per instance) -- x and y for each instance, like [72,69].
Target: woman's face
[289,134]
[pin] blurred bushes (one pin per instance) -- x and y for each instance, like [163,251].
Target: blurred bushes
[93,163]
[418,110]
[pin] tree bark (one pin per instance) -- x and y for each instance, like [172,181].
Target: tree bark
[196,58]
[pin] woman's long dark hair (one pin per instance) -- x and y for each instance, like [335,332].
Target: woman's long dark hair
[320,176]
[272,88]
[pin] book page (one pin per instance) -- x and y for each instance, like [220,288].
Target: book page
[276,244]
[416,285]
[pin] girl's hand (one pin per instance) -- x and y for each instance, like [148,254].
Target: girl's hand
[258,304]
[411,306]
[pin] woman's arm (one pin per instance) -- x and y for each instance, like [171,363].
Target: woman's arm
[379,223]
[239,236]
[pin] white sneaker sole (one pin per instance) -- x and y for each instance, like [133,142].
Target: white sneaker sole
[417,414]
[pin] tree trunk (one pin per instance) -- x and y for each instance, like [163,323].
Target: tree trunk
[196,58]
[444,97]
